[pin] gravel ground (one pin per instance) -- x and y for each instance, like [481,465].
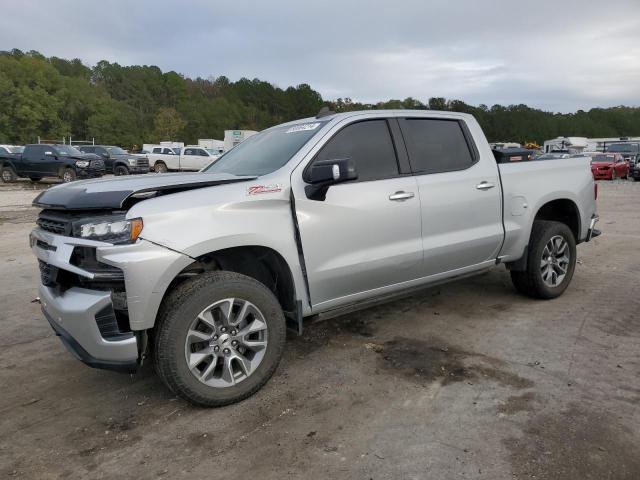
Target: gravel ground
[467,380]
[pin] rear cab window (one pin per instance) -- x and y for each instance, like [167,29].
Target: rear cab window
[437,145]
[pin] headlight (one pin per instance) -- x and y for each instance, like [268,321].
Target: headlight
[82,163]
[115,229]
[132,162]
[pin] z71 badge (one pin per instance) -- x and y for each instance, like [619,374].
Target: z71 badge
[256,189]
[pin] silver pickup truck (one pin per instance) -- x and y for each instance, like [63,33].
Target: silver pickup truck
[202,272]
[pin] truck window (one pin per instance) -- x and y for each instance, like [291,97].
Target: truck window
[157,150]
[436,146]
[370,146]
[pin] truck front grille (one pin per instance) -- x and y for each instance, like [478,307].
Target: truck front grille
[54,225]
[142,162]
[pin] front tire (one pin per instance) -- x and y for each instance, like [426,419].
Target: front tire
[68,175]
[219,338]
[160,167]
[120,170]
[551,261]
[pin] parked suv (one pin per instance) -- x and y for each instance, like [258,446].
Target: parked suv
[47,160]
[117,160]
[313,218]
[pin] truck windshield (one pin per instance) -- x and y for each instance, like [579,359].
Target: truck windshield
[115,151]
[266,151]
[67,150]
[624,148]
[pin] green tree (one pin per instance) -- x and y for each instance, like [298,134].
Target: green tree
[168,124]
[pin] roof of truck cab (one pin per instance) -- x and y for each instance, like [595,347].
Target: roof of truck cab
[391,113]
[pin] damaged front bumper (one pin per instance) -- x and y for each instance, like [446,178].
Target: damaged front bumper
[101,309]
[75,315]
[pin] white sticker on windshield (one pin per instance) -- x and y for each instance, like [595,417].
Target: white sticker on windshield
[304,127]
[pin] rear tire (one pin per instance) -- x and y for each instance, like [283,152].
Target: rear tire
[120,170]
[8,175]
[544,265]
[160,167]
[68,175]
[191,328]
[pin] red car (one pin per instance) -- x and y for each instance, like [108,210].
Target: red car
[609,166]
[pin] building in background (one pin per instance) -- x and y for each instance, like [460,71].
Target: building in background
[234,137]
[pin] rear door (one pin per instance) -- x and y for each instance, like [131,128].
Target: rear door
[365,235]
[459,193]
[40,160]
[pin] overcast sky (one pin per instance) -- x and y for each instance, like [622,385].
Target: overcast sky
[560,55]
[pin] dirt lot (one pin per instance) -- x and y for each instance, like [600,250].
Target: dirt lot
[467,380]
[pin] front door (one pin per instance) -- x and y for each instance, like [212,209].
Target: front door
[365,236]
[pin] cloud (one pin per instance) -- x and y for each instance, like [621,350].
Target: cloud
[559,55]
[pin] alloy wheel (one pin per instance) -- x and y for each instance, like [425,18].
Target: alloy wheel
[555,261]
[226,342]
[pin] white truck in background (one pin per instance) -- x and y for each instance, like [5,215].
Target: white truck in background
[213,146]
[191,158]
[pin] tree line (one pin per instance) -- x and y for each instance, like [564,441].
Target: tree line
[52,98]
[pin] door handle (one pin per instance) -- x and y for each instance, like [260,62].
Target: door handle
[485,185]
[401,196]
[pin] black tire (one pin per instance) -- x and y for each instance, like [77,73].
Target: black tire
[35,179]
[530,281]
[177,313]
[120,170]
[69,175]
[160,167]
[8,175]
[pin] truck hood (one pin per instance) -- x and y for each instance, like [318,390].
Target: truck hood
[122,192]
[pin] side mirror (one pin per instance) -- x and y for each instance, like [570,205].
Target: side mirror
[325,173]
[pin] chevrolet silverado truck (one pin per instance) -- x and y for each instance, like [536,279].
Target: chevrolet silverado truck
[202,272]
[45,160]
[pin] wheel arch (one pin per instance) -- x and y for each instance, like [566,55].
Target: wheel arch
[562,210]
[259,262]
